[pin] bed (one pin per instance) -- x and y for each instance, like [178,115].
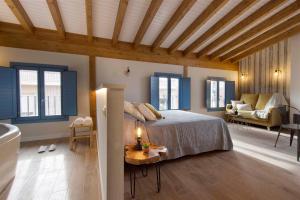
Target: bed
[183,133]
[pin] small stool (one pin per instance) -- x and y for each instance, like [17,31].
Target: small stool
[74,131]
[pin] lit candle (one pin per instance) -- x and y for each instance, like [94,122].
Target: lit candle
[139,132]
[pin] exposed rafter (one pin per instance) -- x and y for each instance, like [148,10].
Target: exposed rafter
[89,19]
[119,21]
[261,38]
[184,7]
[228,18]
[284,13]
[54,10]
[150,14]
[12,35]
[210,11]
[21,15]
[293,31]
[262,11]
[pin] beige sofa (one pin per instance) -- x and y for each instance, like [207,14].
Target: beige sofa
[257,102]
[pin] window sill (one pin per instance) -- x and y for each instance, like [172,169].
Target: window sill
[29,120]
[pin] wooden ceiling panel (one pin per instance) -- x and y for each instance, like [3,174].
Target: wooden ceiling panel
[228,18]
[119,20]
[276,18]
[263,10]
[6,15]
[181,11]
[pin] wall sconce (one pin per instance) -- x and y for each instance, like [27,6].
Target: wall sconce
[127,72]
[243,76]
[277,72]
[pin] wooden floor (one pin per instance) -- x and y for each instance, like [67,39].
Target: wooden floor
[226,175]
[253,170]
[58,175]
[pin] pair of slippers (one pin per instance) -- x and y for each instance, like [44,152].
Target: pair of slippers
[42,149]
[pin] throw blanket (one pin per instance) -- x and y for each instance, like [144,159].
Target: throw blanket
[275,101]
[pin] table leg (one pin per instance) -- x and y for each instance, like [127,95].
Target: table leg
[298,144]
[144,171]
[132,181]
[157,166]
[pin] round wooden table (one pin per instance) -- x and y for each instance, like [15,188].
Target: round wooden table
[138,159]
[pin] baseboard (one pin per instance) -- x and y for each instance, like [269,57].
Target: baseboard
[43,137]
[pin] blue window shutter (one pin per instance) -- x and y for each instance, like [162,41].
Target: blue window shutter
[69,93]
[185,94]
[207,93]
[154,91]
[229,91]
[8,94]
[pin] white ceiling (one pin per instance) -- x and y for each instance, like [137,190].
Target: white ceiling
[105,12]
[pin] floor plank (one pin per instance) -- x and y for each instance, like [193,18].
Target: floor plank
[58,175]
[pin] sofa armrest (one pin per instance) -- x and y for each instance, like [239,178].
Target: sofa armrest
[274,117]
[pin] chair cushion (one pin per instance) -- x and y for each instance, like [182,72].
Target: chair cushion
[250,99]
[262,101]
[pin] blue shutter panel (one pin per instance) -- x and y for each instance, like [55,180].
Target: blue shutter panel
[69,93]
[154,91]
[8,94]
[185,101]
[207,94]
[229,91]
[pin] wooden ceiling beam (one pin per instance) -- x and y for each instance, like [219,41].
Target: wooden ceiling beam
[228,18]
[262,11]
[12,35]
[279,16]
[89,19]
[54,10]
[119,21]
[149,16]
[181,11]
[21,15]
[209,12]
[286,34]
[263,37]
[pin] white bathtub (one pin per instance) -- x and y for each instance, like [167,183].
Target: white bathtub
[9,149]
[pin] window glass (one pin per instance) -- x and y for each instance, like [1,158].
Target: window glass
[221,94]
[163,93]
[214,94]
[52,82]
[28,84]
[174,93]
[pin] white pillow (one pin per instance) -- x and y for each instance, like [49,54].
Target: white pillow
[245,107]
[146,112]
[234,103]
[133,111]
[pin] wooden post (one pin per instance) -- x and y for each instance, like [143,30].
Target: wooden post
[92,77]
[185,71]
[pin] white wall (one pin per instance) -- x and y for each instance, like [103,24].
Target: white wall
[78,63]
[295,71]
[138,84]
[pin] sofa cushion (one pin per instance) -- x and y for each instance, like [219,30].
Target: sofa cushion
[246,114]
[250,99]
[246,107]
[262,101]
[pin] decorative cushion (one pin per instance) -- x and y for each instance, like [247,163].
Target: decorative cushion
[244,107]
[147,113]
[155,112]
[250,99]
[234,103]
[133,111]
[262,101]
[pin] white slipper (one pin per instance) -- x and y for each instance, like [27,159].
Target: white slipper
[52,147]
[42,149]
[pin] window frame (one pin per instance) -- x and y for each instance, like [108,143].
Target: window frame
[169,76]
[218,108]
[40,68]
